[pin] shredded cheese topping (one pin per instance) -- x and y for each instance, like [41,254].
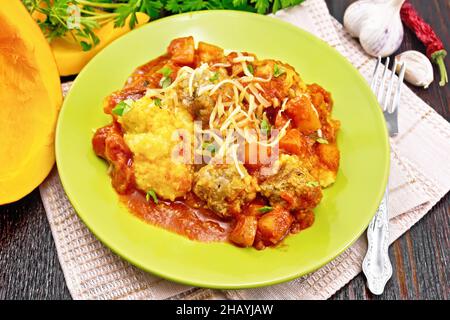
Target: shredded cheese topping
[239,105]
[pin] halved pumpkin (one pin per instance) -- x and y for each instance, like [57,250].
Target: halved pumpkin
[69,56]
[30,98]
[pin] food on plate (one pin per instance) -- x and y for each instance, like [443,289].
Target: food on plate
[220,146]
[30,92]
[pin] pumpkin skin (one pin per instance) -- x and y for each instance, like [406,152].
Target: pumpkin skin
[30,98]
[69,56]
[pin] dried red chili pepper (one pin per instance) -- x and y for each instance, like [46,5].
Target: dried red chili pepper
[426,34]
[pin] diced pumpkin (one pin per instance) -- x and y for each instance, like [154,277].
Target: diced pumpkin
[71,58]
[329,155]
[293,142]
[303,220]
[244,232]
[30,97]
[302,112]
[273,226]
[320,93]
[182,50]
[257,155]
[328,164]
[209,53]
[317,99]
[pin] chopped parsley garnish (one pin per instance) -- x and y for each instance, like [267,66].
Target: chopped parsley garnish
[165,82]
[277,71]
[250,68]
[151,193]
[157,102]
[265,127]
[215,77]
[322,141]
[312,184]
[265,209]
[166,71]
[209,146]
[121,108]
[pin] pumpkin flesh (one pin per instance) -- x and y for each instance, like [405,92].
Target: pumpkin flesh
[30,95]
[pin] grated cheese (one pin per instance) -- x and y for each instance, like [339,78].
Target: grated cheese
[241,58]
[221,83]
[236,161]
[258,96]
[221,65]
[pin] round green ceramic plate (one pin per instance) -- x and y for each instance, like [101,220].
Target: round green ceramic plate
[341,217]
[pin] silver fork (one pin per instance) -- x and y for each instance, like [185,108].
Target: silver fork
[376,265]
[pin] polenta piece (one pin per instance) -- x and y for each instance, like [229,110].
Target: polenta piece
[151,134]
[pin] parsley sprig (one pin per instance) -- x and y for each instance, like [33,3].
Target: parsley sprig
[265,209]
[96,13]
[151,194]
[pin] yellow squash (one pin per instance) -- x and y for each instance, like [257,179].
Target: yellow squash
[30,98]
[69,56]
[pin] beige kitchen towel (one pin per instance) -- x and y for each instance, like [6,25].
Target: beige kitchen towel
[418,180]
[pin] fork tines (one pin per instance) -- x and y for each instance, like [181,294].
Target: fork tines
[388,102]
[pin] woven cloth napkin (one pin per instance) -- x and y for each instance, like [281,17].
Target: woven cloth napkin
[420,176]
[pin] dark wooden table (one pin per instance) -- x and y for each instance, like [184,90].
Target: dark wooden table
[29,266]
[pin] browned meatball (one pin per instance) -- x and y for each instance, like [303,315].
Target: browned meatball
[292,187]
[223,189]
[202,107]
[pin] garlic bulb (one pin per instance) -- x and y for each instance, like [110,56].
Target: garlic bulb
[377,24]
[419,71]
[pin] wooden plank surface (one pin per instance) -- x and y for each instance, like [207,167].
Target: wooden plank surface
[421,257]
[29,267]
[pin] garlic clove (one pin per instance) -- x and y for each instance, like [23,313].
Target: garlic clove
[355,15]
[377,24]
[382,43]
[419,70]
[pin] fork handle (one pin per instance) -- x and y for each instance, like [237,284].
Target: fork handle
[376,265]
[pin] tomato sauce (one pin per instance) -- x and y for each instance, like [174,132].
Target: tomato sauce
[195,223]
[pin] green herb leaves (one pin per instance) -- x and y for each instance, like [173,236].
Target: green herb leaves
[165,71]
[151,193]
[277,71]
[322,141]
[265,209]
[121,108]
[250,68]
[95,13]
[265,127]
[209,146]
[312,184]
[165,80]
[214,77]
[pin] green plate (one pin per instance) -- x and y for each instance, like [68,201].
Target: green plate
[341,217]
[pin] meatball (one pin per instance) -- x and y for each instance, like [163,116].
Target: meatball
[202,107]
[292,186]
[223,189]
